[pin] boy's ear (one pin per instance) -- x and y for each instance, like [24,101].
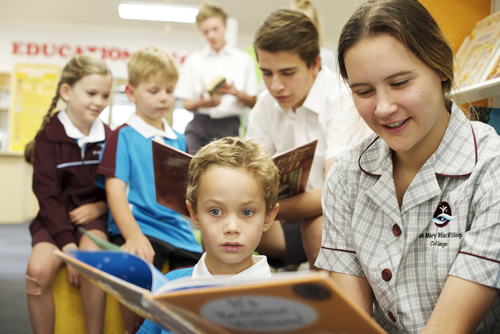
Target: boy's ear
[270,217]
[193,215]
[64,92]
[129,91]
[317,66]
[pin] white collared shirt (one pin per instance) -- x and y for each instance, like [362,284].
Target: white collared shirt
[96,133]
[201,66]
[259,270]
[327,114]
[149,131]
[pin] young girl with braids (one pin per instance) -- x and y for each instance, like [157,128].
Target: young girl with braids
[65,156]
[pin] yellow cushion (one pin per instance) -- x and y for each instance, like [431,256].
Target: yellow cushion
[69,310]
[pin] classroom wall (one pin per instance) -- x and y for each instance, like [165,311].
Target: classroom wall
[55,44]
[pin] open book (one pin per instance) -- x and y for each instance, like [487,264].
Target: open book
[171,171]
[298,302]
[213,85]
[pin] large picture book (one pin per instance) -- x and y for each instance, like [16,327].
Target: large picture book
[476,56]
[171,171]
[298,302]
[493,68]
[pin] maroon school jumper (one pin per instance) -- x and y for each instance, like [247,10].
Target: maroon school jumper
[63,179]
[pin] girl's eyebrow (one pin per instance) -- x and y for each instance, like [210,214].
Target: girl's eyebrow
[392,76]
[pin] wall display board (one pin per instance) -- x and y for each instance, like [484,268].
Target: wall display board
[34,87]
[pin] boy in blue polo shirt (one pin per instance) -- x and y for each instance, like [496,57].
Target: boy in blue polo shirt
[137,222]
[232,196]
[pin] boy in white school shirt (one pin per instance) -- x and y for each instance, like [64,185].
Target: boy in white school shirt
[215,115]
[232,198]
[303,102]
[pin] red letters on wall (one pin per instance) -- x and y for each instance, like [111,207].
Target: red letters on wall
[51,50]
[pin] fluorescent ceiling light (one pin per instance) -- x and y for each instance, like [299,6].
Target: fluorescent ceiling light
[158,12]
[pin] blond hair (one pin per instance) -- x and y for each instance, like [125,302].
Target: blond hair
[208,10]
[234,152]
[76,69]
[150,61]
[307,7]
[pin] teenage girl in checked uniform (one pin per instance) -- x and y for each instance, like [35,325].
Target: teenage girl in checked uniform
[412,215]
[65,156]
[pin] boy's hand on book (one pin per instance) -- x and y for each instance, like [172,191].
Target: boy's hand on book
[87,213]
[227,89]
[140,245]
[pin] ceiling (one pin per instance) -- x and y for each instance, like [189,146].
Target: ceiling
[104,13]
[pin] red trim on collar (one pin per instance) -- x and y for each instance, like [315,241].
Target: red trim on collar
[359,160]
[339,250]
[437,174]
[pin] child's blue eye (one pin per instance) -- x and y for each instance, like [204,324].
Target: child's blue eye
[215,212]
[247,212]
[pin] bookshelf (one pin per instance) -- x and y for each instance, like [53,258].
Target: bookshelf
[489,89]
[480,91]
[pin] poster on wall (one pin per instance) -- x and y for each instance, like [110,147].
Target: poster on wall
[34,87]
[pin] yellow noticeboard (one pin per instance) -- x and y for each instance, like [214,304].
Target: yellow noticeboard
[33,88]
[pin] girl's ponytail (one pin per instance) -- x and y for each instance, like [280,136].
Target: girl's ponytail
[29,149]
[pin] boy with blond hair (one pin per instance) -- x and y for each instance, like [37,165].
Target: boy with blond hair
[232,198]
[137,222]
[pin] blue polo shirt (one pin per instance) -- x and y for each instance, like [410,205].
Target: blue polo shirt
[128,155]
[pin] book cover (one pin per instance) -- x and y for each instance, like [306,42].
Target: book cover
[171,171]
[294,167]
[493,68]
[482,46]
[213,85]
[299,302]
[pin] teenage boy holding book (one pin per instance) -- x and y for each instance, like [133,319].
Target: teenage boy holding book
[303,102]
[232,198]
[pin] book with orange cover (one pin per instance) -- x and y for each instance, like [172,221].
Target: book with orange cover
[298,302]
[171,171]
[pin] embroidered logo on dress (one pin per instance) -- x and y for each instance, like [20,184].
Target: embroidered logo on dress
[442,215]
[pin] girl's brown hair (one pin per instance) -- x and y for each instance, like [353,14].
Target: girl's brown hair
[78,67]
[411,23]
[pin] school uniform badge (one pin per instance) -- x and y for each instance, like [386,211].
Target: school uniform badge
[443,215]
